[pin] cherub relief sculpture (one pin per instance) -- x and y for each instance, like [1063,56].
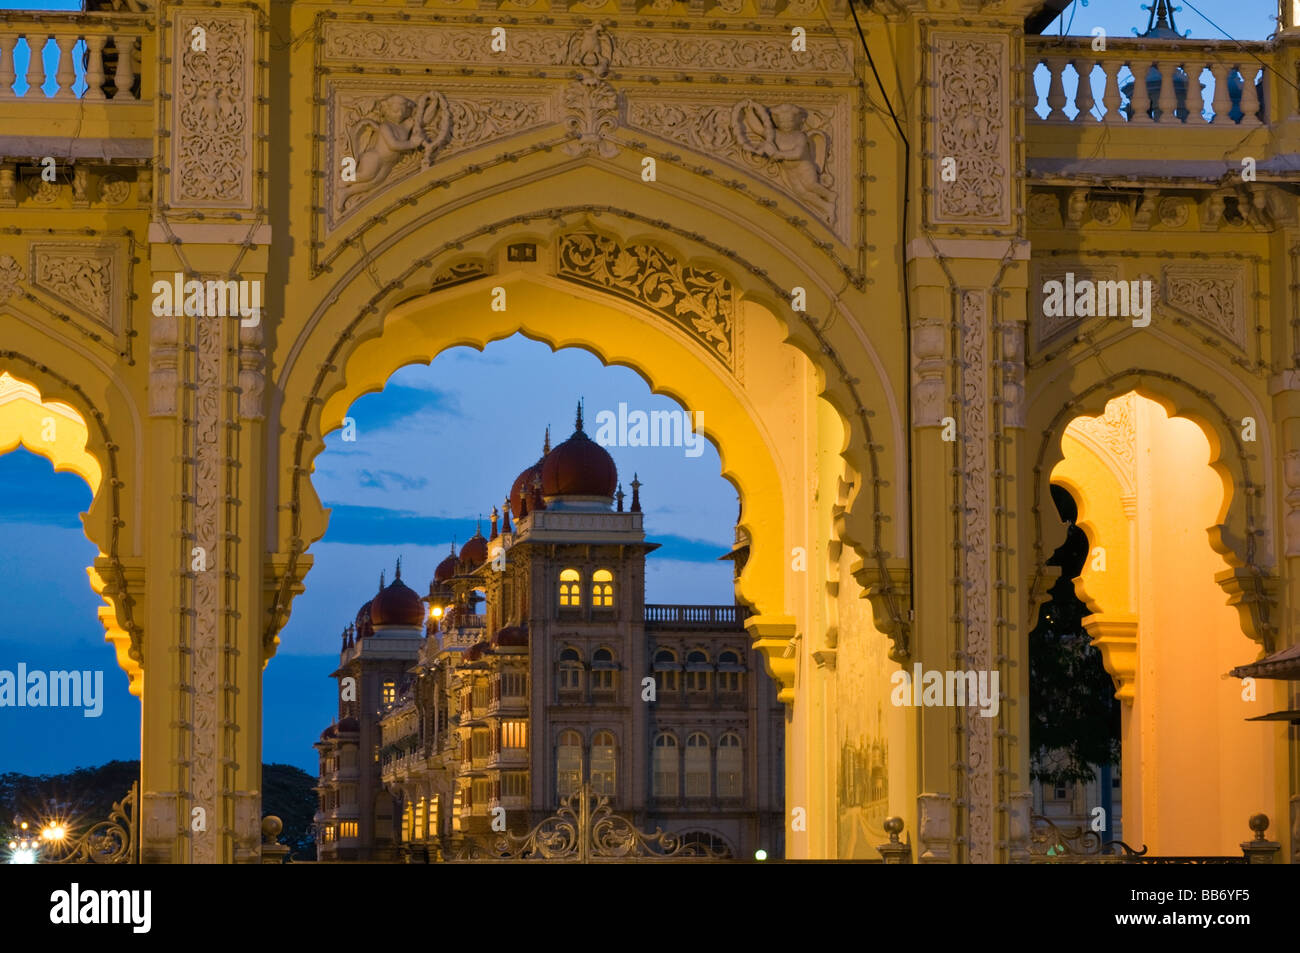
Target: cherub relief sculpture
[778,134]
[387,131]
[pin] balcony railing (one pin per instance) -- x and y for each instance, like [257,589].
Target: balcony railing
[681,616]
[1183,82]
[89,56]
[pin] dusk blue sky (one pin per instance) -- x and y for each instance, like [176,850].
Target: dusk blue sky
[440,445]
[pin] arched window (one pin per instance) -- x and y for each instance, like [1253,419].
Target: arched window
[602,670]
[570,679]
[570,588]
[697,765]
[568,764]
[666,670]
[665,766]
[604,763]
[729,670]
[731,766]
[602,589]
[697,671]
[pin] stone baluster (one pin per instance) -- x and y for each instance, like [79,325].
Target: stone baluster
[124,78]
[1167,102]
[66,74]
[1251,97]
[1110,97]
[1222,102]
[35,65]
[95,66]
[1056,89]
[1195,94]
[7,76]
[1141,92]
[1083,98]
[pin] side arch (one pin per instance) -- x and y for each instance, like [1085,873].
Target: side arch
[1242,532]
[56,428]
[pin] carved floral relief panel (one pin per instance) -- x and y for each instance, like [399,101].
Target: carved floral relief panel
[1213,295]
[699,300]
[970,124]
[212,110]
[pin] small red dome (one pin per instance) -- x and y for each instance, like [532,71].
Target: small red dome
[523,485]
[579,467]
[446,569]
[399,604]
[329,732]
[474,553]
[349,724]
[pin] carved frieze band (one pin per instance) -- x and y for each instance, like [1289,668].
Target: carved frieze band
[700,301]
[212,110]
[354,41]
[970,124]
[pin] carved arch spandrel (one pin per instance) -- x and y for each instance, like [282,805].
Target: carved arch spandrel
[307,391]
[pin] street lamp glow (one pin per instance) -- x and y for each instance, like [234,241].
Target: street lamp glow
[54,832]
[436,612]
[760,854]
[23,857]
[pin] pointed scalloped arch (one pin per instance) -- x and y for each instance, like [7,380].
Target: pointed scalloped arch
[57,432]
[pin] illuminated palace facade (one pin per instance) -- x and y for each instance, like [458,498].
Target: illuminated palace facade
[534,667]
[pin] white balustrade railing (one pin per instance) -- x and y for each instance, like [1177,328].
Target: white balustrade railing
[75,56]
[1166,83]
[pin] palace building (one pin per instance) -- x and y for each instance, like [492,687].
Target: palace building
[839,234]
[534,667]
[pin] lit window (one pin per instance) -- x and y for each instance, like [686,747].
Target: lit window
[665,766]
[570,670]
[602,589]
[604,763]
[570,588]
[389,693]
[479,696]
[665,671]
[420,813]
[514,734]
[697,672]
[568,764]
[480,795]
[731,763]
[729,669]
[348,829]
[697,765]
[602,670]
[480,744]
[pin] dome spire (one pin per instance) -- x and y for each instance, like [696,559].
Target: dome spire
[381,580]
[546,444]
[636,494]
[578,423]
[397,575]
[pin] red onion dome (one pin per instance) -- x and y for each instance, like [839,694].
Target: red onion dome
[349,724]
[475,552]
[579,467]
[399,604]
